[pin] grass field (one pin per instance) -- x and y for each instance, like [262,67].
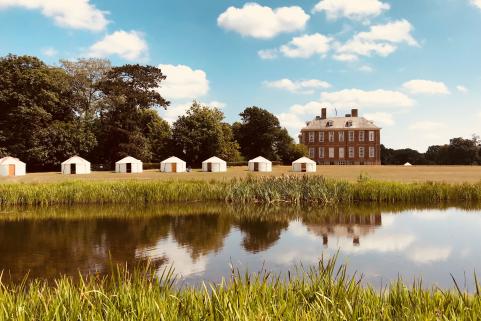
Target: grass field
[449,174]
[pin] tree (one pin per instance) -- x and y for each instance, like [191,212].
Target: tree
[260,133]
[201,133]
[401,156]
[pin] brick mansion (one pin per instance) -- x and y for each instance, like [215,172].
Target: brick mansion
[348,140]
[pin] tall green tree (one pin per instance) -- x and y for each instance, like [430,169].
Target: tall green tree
[201,133]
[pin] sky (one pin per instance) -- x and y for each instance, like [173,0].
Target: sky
[413,67]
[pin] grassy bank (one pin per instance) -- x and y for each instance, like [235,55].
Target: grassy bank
[323,293]
[265,190]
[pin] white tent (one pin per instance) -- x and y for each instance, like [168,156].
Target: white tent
[173,165]
[408,164]
[129,165]
[304,164]
[76,165]
[260,164]
[10,166]
[214,164]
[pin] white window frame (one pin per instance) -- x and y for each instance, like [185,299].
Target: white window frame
[331,137]
[371,136]
[312,137]
[312,152]
[351,152]
[341,136]
[331,152]
[321,137]
[362,135]
[342,152]
[362,152]
[321,152]
[351,135]
[372,152]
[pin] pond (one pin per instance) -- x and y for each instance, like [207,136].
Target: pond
[202,241]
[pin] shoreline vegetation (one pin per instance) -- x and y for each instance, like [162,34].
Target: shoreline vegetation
[325,291]
[286,189]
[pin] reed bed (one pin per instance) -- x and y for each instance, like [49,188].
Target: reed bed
[263,190]
[325,292]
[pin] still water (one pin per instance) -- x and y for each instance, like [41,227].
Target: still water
[202,241]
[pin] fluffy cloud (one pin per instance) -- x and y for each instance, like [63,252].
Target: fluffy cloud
[420,86]
[360,98]
[427,125]
[306,46]
[477,3]
[462,89]
[268,54]
[351,9]
[76,14]
[129,45]
[254,20]
[299,86]
[49,52]
[380,40]
[426,255]
[183,82]
[384,119]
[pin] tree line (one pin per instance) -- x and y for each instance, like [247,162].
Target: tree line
[459,151]
[90,108]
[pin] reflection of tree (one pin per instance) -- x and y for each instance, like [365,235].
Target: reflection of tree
[201,233]
[259,235]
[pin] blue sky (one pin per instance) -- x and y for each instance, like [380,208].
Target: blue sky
[414,67]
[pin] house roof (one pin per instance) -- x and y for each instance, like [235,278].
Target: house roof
[304,160]
[214,159]
[259,159]
[128,159]
[340,123]
[10,161]
[75,160]
[172,159]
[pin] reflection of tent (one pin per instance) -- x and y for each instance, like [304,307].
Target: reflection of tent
[173,165]
[304,164]
[76,165]
[408,164]
[214,164]
[128,165]
[10,166]
[260,164]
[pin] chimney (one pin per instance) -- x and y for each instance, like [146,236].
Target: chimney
[323,113]
[354,112]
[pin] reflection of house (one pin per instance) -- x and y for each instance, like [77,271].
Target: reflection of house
[347,226]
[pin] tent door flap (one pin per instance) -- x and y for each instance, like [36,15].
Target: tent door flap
[11,170]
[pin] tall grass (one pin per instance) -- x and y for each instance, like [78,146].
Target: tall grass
[266,190]
[325,292]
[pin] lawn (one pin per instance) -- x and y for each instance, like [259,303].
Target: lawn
[450,174]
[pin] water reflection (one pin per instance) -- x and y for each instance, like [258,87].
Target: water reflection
[201,240]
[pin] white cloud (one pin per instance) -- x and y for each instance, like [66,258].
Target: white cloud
[477,3]
[173,112]
[306,46]
[75,14]
[254,20]
[366,68]
[361,98]
[351,9]
[291,121]
[129,45]
[345,57]
[462,89]
[380,118]
[268,54]
[427,255]
[298,86]
[380,40]
[426,125]
[49,52]
[183,82]
[421,86]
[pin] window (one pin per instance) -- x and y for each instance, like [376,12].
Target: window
[331,152]
[321,152]
[361,152]
[349,123]
[372,152]
[330,123]
[371,136]
[341,136]
[311,137]
[321,137]
[331,137]
[311,152]
[361,136]
[351,136]
[351,152]
[341,152]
